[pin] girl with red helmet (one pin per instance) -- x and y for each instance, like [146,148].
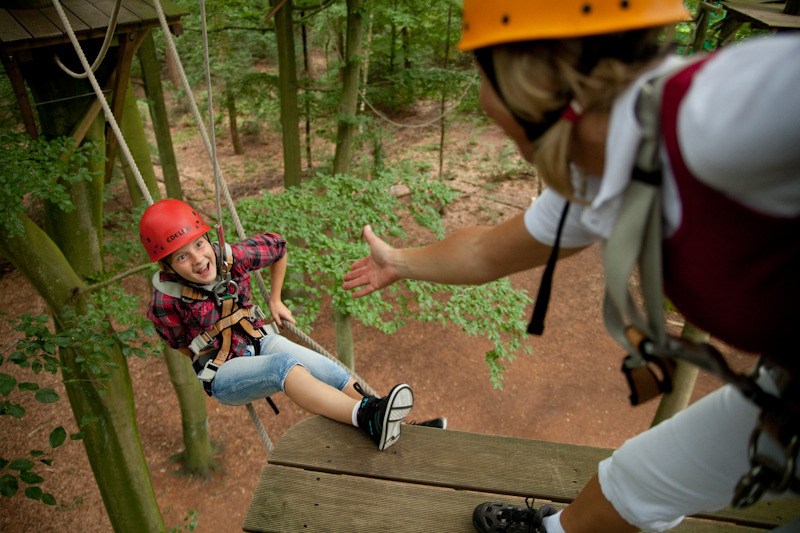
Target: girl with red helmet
[240,362]
[591,99]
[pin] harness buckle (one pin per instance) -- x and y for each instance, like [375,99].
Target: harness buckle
[221,292]
[209,371]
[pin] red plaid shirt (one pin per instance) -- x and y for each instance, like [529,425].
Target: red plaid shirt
[178,322]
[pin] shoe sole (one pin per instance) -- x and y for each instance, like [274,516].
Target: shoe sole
[401,400]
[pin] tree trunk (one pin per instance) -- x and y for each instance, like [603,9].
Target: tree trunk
[79,231]
[230,105]
[111,438]
[106,408]
[307,71]
[345,129]
[443,103]
[683,384]
[158,113]
[345,138]
[287,81]
[133,132]
[198,454]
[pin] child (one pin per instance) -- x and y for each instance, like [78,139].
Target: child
[203,310]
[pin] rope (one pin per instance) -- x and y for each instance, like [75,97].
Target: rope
[449,110]
[112,27]
[106,109]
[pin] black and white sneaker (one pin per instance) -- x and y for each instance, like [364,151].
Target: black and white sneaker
[507,518]
[381,418]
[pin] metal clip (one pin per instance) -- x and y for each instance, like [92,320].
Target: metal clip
[221,291]
[765,475]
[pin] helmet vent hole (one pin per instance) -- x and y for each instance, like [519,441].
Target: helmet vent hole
[587,9]
[624,4]
[505,19]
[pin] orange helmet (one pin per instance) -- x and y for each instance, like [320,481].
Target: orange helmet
[168,225]
[492,22]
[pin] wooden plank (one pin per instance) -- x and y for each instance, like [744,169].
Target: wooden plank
[470,461]
[769,16]
[52,15]
[36,23]
[107,8]
[467,461]
[10,29]
[288,500]
[141,9]
[89,14]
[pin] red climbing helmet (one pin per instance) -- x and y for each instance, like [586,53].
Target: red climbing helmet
[167,225]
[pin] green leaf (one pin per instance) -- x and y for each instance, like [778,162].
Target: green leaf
[48,499]
[7,384]
[31,478]
[57,437]
[8,485]
[12,409]
[46,395]
[34,493]
[21,464]
[28,386]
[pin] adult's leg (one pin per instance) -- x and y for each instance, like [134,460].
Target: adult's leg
[687,464]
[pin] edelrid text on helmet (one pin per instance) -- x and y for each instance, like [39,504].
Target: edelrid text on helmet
[168,225]
[493,22]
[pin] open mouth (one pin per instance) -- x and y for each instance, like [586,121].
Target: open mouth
[204,270]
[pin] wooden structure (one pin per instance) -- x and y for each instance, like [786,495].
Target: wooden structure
[326,476]
[768,15]
[31,30]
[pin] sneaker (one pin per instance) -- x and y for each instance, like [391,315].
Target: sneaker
[506,518]
[440,423]
[380,418]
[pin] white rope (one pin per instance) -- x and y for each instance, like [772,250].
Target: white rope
[106,109]
[452,107]
[112,27]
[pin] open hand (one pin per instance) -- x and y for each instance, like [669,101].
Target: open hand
[373,272]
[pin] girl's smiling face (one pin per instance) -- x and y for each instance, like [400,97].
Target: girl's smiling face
[195,262]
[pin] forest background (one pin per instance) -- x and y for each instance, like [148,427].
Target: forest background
[328,116]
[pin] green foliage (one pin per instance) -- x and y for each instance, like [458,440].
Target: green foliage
[43,169]
[92,337]
[323,220]
[189,523]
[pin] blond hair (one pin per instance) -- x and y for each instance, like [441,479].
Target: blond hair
[537,77]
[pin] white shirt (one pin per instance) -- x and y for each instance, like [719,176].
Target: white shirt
[738,129]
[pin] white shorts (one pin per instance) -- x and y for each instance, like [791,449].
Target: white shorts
[687,464]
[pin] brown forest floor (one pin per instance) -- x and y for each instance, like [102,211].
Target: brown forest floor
[569,390]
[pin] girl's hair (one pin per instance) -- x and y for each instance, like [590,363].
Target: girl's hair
[540,76]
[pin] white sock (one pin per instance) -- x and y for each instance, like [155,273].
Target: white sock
[354,416]
[552,523]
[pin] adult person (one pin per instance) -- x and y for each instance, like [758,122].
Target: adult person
[592,99]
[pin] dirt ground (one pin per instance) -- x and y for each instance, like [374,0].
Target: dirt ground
[569,390]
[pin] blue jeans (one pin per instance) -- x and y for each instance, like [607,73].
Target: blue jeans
[250,377]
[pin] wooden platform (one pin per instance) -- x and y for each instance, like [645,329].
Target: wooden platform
[761,14]
[326,476]
[23,29]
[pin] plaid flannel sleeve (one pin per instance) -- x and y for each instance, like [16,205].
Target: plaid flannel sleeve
[164,315]
[259,251]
